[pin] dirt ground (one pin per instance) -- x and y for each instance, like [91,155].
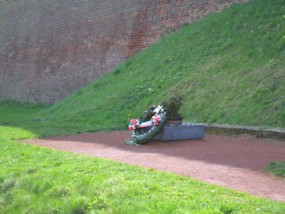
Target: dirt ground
[229,161]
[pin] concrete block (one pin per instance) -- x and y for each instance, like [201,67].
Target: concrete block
[184,131]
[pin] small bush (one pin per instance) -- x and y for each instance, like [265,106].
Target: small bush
[173,105]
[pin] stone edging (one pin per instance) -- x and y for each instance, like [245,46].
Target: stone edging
[237,130]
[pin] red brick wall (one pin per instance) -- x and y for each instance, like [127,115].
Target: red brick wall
[48,49]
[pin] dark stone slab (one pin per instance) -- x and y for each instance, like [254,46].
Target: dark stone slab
[184,131]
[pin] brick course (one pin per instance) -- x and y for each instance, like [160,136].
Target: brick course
[49,49]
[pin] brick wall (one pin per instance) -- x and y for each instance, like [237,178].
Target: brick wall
[48,49]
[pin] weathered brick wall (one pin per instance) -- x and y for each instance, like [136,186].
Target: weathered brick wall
[50,48]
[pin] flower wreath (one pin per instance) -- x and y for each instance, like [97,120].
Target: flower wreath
[149,124]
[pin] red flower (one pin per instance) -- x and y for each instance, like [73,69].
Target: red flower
[134,122]
[156,119]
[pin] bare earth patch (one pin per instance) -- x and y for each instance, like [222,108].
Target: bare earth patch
[229,161]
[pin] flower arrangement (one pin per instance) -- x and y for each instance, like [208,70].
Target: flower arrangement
[148,126]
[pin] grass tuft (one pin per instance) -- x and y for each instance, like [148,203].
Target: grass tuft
[276,168]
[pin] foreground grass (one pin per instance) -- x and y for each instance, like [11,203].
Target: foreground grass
[38,180]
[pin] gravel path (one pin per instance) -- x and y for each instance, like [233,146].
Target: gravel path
[233,162]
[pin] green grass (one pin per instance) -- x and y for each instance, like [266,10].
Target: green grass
[228,67]
[12,113]
[276,168]
[39,180]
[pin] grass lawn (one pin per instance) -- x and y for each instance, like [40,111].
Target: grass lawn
[39,180]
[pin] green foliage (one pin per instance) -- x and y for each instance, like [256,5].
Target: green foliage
[173,104]
[276,168]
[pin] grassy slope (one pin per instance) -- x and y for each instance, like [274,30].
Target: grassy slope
[229,67]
